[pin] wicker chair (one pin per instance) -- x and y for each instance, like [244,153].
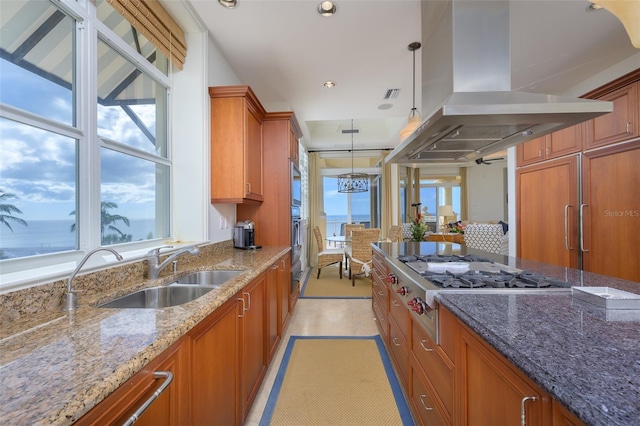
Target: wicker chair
[361,252]
[395,234]
[348,227]
[326,256]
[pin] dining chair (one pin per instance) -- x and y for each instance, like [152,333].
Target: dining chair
[348,227]
[327,256]
[361,252]
[395,234]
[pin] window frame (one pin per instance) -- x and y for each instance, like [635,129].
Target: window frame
[34,270]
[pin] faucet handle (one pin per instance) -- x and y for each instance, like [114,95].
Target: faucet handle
[156,251]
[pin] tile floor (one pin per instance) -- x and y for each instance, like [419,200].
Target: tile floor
[316,317]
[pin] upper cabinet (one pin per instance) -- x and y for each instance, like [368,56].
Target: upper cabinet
[554,145]
[619,125]
[236,145]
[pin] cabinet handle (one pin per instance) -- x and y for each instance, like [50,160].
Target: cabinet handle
[566,226]
[629,127]
[248,300]
[381,293]
[168,378]
[523,410]
[422,342]
[396,304]
[248,187]
[243,307]
[395,341]
[582,206]
[422,397]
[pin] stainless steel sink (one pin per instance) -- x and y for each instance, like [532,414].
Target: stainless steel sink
[159,297]
[212,277]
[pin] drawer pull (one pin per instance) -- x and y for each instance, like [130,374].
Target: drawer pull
[523,409]
[243,307]
[395,341]
[168,378]
[381,293]
[422,342]
[395,303]
[422,397]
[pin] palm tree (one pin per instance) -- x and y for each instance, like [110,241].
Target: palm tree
[107,221]
[9,208]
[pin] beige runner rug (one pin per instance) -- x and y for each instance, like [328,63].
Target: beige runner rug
[336,381]
[331,286]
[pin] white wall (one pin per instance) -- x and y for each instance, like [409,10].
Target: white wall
[486,192]
[222,217]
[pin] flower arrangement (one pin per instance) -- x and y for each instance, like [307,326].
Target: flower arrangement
[418,228]
[456,227]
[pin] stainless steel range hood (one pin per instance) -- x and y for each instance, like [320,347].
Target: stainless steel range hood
[466,83]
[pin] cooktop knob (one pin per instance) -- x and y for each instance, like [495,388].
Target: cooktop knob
[392,279]
[404,290]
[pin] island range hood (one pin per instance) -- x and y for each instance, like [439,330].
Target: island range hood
[466,83]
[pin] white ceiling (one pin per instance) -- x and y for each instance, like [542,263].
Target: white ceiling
[285,51]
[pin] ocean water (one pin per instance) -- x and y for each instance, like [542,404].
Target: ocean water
[50,236]
[334,222]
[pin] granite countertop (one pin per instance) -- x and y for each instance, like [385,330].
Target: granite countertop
[584,356]
[59,366]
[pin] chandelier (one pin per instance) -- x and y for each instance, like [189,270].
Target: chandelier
[353,182]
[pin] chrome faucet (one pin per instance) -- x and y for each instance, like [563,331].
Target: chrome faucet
[153,258]
[70,299]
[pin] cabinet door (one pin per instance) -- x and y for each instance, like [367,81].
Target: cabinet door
[254,341]
[424,405]
[272,308]
[492,391]
[531,151]
[619,125]
[611,211]
[564,142]
[284,293]
[547,212]
[564,417]
[215,369]
[171,406]
[253,156]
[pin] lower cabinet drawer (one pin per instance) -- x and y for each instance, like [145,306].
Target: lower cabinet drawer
[433,365]
[381,318]
[399,351]
[424,406]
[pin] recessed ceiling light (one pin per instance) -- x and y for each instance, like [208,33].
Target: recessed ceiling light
[329,84]
[327,8]
[385,106]
[229,4]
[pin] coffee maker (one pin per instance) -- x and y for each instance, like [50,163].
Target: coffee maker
[243,236]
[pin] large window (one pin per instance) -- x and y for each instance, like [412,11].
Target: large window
[440,200]
[342,208]
[84,151]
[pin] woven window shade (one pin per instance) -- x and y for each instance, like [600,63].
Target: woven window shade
[152,20]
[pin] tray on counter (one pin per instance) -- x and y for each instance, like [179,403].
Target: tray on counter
[607,297]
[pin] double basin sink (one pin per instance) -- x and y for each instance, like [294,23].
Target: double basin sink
[184,289]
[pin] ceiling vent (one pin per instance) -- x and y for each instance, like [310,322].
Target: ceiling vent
[391,94]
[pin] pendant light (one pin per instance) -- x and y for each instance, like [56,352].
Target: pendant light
[353,182]
[414,115]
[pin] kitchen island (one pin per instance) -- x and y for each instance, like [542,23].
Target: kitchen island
[57,366]
[585,357]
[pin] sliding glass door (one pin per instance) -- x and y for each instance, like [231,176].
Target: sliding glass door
[342,208]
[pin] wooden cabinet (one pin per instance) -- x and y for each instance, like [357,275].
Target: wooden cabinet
[254,340]
[492,391]
[554,145]
[423,401]
[284,293]
[273,301]
[294,154]
[563,417]
[380,295]
[547,208]
[610,211]
[619,125]
[215,356]
[435,370]
[446,237]
[236,145]
[169,408]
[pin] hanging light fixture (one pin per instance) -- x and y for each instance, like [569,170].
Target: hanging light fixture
[414,115]
[353,182]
